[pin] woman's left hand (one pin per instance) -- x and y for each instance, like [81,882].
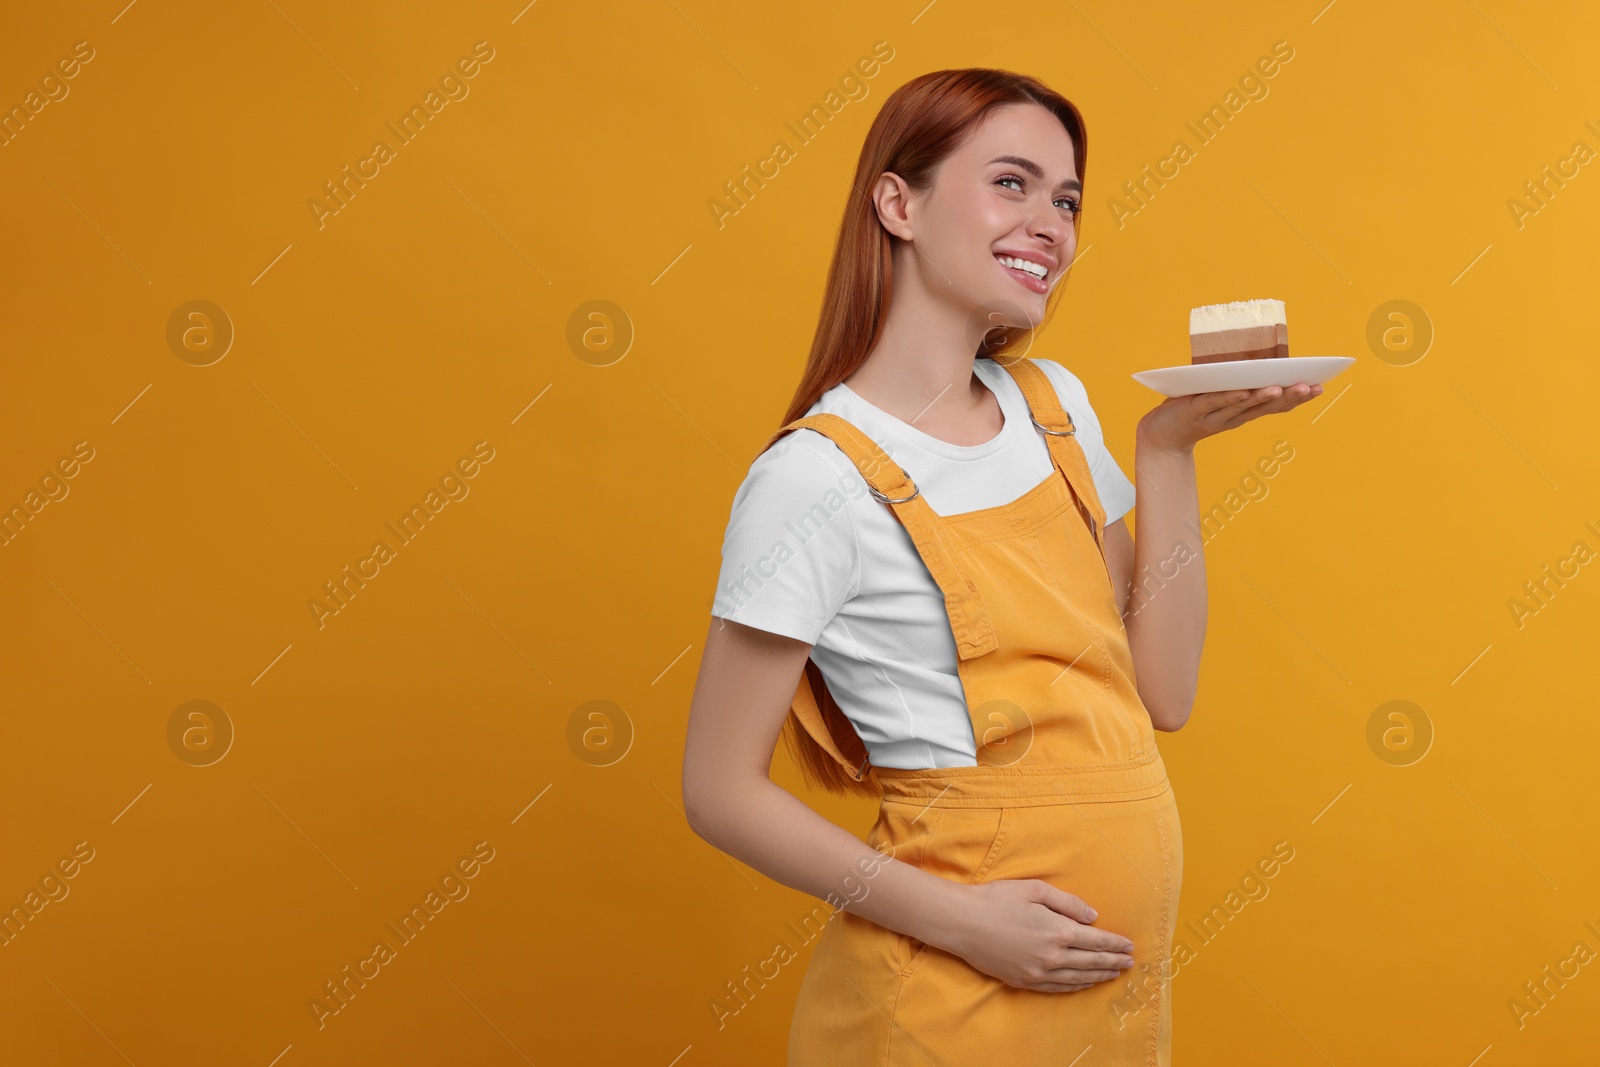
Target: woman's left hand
[1179,421]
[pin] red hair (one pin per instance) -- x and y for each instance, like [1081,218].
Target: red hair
[921,123]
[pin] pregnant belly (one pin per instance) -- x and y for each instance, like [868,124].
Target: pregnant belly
[875,996]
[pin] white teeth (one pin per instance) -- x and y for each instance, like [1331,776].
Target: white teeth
[1023,264]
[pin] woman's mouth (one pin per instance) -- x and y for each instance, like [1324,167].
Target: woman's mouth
[1028,274]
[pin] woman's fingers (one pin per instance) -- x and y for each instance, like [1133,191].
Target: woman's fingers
[1232,406]
[1078,963]
[1210,403]
[1068,978]
[1237,398]
[1082,968]
[1244,405]
[1069,987]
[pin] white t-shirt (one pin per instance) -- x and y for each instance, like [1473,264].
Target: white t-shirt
[809,553]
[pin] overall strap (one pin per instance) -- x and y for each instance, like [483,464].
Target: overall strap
[891,485]
[826,722]
[1049,416]
[813,705]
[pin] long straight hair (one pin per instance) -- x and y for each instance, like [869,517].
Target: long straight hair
[921,123]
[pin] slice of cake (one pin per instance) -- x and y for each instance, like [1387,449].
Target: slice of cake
[1243,329]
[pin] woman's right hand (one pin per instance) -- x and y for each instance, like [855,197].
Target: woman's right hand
[1031,935]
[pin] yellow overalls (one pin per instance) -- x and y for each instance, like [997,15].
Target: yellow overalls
[1068,788]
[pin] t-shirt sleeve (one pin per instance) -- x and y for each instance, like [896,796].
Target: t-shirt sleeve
[790,556]
[1116,491]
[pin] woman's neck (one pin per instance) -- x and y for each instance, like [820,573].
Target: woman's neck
[947,402]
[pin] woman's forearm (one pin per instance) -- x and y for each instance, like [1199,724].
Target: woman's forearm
[765,826]
[1166,615]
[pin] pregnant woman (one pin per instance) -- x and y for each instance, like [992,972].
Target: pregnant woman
[922,592]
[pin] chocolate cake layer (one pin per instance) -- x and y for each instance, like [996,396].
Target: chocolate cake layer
[1249,342]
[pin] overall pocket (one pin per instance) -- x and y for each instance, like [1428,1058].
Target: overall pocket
[959,844]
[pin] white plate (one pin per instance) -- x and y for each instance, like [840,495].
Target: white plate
[1242,374]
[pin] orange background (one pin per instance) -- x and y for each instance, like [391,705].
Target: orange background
[447,703]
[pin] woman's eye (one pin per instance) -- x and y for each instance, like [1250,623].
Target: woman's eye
[1072,206]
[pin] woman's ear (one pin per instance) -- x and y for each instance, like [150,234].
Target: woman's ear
[894,200]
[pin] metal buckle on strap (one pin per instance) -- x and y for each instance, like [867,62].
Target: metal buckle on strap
[891,500]
[1068,432]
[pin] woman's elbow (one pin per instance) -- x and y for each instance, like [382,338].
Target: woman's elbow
[709,802]
[1169,719]
[1171,725]
[698,810]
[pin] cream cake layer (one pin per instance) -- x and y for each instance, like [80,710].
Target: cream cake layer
[1243,329]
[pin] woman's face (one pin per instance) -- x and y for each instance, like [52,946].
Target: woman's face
[1011,191]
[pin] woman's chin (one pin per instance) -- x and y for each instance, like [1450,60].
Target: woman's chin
[998,313]
[1018,309]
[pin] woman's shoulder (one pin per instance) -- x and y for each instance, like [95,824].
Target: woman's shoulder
[1067,384]
[801,469]
[791,555]
[1117,491]
[1070,390]
[803,457]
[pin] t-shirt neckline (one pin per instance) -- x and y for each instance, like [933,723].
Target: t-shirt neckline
[939,446]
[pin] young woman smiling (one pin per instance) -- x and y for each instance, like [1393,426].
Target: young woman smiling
[950,637]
